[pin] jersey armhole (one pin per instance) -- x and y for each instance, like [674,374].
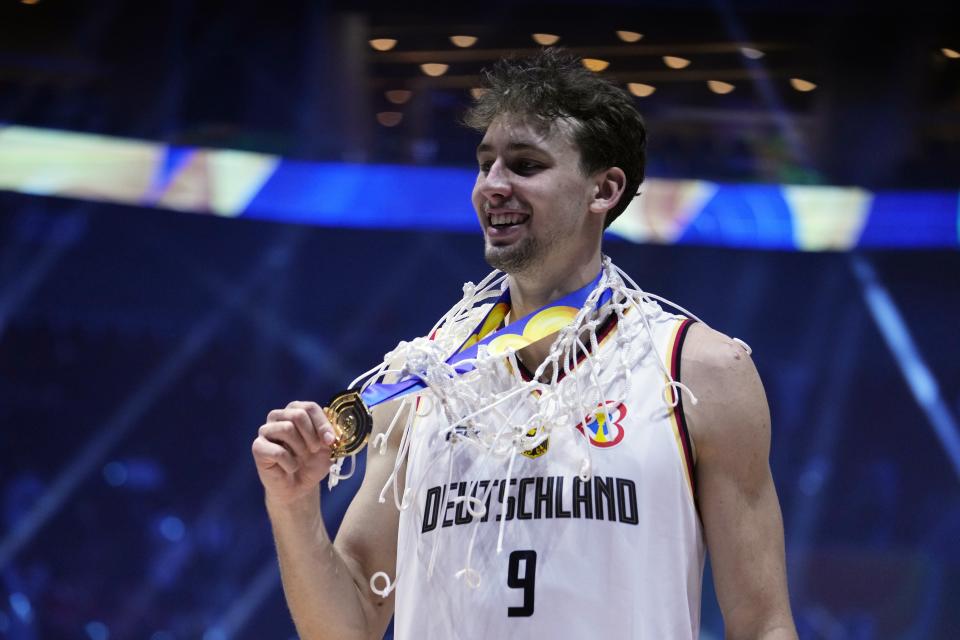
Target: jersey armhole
[679,415]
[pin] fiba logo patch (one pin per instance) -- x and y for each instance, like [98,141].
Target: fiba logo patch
[604,433]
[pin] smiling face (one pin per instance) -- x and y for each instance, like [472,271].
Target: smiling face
[532,198]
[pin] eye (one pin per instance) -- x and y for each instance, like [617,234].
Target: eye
[485,166]
[526,167]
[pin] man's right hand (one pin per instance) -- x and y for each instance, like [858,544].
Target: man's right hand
[292,451]
[327,584]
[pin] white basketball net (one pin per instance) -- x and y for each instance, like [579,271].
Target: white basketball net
[498,412]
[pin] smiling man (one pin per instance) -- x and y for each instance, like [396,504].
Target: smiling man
[567,483]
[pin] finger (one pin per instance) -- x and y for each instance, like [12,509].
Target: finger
[268,454]
[325,431]
[314,409]
[304,423]
[285,433]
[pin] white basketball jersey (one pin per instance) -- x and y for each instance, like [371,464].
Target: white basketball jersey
[617,556]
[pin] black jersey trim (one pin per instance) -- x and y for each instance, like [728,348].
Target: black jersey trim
[675,373]
[604,330]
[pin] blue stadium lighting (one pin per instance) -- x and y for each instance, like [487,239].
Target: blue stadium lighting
[242,608]
[172,528]
[815,475]
[335,194]
[350,195]
[214,633]
[922,384]
[115,473]
[96,630]
[125,418]
[21,607]
[143,474]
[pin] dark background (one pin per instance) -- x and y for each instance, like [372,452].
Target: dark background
[140,349]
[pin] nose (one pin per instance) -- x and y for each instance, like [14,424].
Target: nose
[495,183]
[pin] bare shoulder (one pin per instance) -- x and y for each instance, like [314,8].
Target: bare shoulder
[731,404]
[708,350]
[730,426]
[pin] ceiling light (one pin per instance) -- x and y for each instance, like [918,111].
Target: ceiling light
[399,96]
[434,69]
[595,64]
[383,44]
[950,53]
[641,90]
[546,39]
[750,52]
[720,87]
[802,85]
[29,1]
[629,36]
[463,41]
[389,118]
[676,63]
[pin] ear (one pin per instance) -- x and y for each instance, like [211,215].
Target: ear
[608,189]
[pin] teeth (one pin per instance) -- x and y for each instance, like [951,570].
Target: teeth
[497,219]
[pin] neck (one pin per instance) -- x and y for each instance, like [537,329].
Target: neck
[531,290]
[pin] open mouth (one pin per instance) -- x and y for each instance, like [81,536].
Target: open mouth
[505,221]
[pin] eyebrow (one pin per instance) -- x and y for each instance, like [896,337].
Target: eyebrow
[513,146]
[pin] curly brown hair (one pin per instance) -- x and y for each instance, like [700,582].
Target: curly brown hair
[607,128]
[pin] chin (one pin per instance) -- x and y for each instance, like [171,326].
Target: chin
[511,258]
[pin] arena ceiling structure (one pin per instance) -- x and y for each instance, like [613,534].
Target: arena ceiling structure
[836,93]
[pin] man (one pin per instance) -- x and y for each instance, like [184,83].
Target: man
[591,527]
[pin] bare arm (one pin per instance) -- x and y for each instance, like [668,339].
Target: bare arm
[738,502]
[326,583]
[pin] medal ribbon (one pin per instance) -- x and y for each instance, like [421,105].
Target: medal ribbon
[534,326]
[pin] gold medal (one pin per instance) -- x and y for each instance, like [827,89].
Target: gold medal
[351,421]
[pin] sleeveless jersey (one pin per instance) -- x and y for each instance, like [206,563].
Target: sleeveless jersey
[619,555]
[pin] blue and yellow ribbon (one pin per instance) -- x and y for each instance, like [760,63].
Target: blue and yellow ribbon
[534,326]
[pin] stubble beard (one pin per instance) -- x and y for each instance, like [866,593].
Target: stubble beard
[514,258]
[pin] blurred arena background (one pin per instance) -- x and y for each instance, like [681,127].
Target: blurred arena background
[804,195]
